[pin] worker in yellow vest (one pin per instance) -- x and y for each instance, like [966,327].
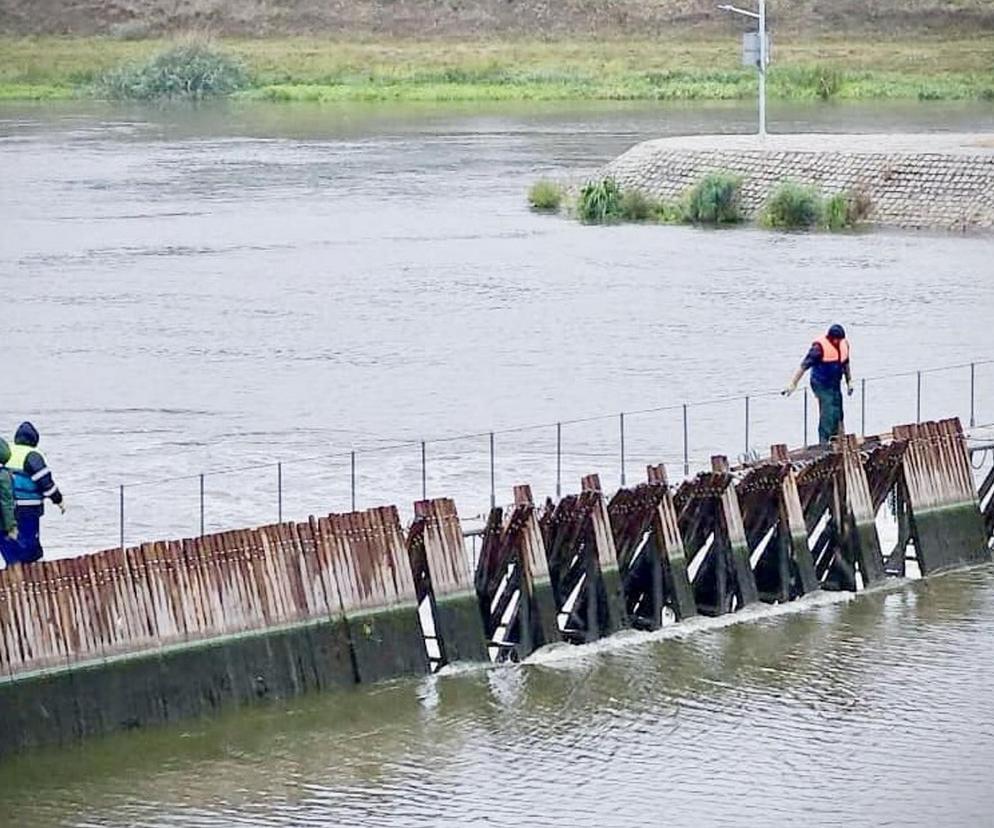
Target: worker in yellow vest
[33,485]
[828,360]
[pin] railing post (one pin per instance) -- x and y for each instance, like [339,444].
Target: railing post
[805,417]
[973,380]
[122,518]
[279,492]
[747,426]
[559,460]
[352,463]
[493,488]
[918,402]
[424,472]
[686,448]
[862,406]
[201,505]
[621,426]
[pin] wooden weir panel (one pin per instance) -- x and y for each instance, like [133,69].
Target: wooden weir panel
[506,587]
[583,564]
[650,552]
[943,510]
[595,565]
[444,583]
[714,539]
[775,532]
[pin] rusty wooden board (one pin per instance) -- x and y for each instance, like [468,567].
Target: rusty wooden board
[577,536]
[710,523]
[440,567]
[775,530]
[946,524]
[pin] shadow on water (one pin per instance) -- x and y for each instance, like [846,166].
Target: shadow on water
[879,678]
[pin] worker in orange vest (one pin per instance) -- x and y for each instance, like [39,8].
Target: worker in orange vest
[828,359]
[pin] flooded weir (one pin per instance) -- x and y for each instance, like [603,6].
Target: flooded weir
[164,631]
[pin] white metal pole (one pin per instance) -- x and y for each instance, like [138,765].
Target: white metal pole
[762,68]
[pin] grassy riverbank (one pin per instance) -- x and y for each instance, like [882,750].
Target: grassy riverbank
[324,70]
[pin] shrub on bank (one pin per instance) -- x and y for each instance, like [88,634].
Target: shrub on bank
[793,207]
[714,200]
[599,202]
[545,196]
[637,206]
[836,215]
[191,71]
[845,210]
[671,212]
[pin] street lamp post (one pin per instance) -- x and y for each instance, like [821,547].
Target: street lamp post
[759,16]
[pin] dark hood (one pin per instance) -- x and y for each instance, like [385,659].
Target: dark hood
[27,435]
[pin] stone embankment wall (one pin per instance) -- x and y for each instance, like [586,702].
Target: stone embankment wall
[914,181]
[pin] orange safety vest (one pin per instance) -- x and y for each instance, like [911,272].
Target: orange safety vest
[829,353]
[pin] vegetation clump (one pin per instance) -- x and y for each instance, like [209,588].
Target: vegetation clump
[714,200]
[545,196]
[845,210]
[637,206]
[793,207]
[191,71]
[599,202]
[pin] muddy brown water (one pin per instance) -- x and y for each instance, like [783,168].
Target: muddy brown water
[198,290]
[866,712]
[195,289]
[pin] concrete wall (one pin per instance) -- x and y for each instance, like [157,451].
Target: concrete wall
[915,181]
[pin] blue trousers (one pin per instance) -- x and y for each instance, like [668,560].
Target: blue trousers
[27,547]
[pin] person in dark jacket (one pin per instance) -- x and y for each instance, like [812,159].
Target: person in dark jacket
[33,484]
[8,514]
[828,361]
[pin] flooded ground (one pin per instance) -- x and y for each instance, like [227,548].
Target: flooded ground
[196,290]
[200,289]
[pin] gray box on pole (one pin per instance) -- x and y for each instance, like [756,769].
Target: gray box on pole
[750,49]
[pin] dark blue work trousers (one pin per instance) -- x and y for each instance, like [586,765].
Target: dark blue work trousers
[27,547]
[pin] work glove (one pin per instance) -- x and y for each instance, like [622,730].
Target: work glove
[62,507]
[848,389]
[788,391]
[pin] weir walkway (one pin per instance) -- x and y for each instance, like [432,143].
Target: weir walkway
[171,629]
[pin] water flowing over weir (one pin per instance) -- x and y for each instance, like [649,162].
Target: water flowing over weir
[167,630]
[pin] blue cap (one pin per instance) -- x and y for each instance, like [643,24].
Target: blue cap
[836,332]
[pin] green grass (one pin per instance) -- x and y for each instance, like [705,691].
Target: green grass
[637,206]
[793,207]
[600,202]
[714,199]
[545,196]
[324,70]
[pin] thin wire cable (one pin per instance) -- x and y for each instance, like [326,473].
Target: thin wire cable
[396,444]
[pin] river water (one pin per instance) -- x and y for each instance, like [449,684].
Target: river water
[196,290]
[866,712]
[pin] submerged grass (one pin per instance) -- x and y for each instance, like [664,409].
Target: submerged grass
[545,196]
[324,70]
[714,199]
[600,202]
[793,206]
